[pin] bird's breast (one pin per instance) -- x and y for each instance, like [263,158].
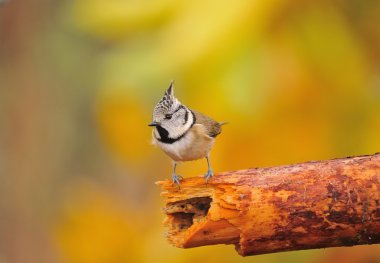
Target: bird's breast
[196,144]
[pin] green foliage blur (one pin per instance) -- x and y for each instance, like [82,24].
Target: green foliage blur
[296,80]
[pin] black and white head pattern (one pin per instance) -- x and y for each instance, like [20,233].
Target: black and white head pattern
[166,104]
[174,119]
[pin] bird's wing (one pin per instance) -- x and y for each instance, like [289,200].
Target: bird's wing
[213,128]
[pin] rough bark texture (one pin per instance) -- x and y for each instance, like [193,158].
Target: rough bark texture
[264,210]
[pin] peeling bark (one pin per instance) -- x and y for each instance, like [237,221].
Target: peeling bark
[265,210]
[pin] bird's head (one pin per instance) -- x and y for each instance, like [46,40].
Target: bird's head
[170,117]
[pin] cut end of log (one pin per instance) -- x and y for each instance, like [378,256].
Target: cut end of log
[182,215]
[266,210]
[190,216]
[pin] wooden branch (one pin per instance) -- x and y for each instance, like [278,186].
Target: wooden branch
[264,210]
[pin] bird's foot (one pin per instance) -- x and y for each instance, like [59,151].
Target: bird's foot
[209,174]
[176,178]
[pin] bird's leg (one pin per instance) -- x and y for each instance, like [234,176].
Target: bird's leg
[209,173]
[175,177]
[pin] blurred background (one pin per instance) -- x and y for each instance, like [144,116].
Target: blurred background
[296,80]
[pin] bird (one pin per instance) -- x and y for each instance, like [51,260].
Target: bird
[182,133]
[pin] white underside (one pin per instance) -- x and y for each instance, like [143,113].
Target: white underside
[192,146]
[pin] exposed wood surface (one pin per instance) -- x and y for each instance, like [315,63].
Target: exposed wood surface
[264,210]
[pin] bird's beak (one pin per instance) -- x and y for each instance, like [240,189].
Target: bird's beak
[153,123]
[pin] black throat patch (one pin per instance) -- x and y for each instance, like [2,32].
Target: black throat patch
[164,134]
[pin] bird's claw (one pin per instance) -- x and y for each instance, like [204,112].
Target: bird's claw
[208,175]
[176,178]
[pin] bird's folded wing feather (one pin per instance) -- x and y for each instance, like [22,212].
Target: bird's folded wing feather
[213,128]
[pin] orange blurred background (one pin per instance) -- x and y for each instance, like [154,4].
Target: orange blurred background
[296,80]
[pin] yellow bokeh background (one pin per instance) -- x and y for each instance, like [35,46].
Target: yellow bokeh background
[296,81]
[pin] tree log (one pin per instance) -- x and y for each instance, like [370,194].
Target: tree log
[309,205]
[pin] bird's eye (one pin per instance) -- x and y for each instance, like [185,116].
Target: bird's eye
[168,116]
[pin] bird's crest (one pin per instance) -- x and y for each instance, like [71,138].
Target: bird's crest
[168,100]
